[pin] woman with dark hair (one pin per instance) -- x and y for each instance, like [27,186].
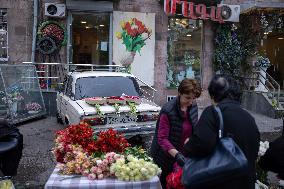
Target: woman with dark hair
[238,123]
[175,124]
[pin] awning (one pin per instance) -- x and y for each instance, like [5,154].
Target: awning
[89,5]
[254,5]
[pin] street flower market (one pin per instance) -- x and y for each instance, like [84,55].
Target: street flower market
[79,151]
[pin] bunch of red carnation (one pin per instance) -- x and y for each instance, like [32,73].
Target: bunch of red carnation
[174,180]
[111,141]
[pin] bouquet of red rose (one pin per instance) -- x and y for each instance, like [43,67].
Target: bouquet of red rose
[111,141]
[81,134]
[174,179]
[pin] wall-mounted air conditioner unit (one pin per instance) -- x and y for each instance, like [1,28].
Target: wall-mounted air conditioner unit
[55,10]
[230,13]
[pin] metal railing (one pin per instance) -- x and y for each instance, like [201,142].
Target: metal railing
[51,75]
[262,82]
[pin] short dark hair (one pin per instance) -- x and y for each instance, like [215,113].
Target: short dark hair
[222,86]
[190,86]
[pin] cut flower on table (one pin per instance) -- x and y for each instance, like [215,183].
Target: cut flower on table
[81,152]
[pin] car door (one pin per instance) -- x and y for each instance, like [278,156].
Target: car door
[65,100]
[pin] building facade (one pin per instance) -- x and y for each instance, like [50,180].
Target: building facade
[167,49]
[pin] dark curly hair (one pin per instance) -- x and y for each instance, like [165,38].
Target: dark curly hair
[190,86]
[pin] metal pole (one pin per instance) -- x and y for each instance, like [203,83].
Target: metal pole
[34,30]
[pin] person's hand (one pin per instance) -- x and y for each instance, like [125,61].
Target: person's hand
[180,159]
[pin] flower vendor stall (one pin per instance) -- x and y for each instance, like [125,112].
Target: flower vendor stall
[20,94]
[86,159]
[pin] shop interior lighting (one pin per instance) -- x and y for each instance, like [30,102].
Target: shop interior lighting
[87,27]
[101,25]
[280,38]
[83,22]
[188,35]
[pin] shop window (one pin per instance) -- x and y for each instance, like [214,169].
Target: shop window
[90,34]
[3,36]
[183,48]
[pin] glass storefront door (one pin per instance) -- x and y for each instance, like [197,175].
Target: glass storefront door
[184,48]
[90,38]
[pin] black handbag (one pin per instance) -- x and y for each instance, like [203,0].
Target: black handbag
[225,163]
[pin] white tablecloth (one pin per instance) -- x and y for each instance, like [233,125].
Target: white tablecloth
[57,181]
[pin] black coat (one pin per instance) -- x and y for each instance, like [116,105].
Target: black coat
[240,125]
[273,159]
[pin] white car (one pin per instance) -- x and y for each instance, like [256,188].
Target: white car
[72,107]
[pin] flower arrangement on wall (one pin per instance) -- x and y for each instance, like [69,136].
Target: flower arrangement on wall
[133,34]
[51,37]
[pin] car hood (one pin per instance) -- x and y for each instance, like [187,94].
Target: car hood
[145,106]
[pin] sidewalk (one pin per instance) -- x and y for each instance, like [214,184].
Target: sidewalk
[37,162]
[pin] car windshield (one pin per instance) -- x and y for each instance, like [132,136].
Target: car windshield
[105,86]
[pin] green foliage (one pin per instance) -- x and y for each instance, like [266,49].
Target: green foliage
[228,55]
[98,110]
[133,108]
[234,45]
[261,174]
[133,44]
[138,152]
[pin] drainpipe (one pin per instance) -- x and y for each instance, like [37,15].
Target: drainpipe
[34,30]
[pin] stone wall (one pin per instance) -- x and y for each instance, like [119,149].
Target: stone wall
[20,22]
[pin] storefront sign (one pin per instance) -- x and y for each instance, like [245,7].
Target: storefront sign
[194,11]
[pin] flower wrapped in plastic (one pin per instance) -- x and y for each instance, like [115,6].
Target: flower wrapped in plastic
[95,100]
[115,100]
[132,99]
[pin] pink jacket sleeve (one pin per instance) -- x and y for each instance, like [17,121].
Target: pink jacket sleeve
[163,133]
